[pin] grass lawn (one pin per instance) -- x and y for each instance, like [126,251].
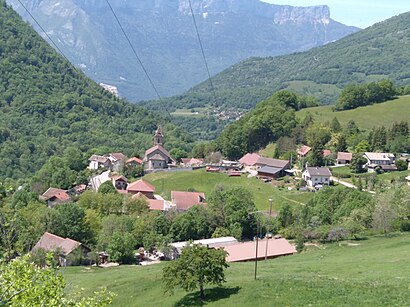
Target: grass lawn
[365,117]
[373,272]
[202,181]
[268,151]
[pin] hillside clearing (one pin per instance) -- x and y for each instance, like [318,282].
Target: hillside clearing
[372,272]
[365,117]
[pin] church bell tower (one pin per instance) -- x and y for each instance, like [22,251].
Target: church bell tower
[158,137]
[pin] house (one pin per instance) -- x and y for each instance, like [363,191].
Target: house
[117,161]
[52,243]
[119,182]
[143,187]
[379,158]
[316,176]
[157,157]
[192,162]
[97,162]
[246,251]
[249,160]
[54,196]
[303,151]
[344,157]
[182,201]
[134,162]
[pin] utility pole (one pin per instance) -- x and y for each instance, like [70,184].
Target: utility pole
[267,236]
[257,241]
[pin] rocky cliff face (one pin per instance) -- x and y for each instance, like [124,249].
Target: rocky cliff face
[163,34]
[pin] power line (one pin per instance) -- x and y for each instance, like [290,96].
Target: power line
[44,31]
[202,49]
[133,49]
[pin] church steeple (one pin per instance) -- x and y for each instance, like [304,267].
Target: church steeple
[158,137]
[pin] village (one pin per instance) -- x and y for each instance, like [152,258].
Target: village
[109,169]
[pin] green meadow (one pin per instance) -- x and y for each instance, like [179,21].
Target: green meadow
[365,117]
[202,181]
[372,272]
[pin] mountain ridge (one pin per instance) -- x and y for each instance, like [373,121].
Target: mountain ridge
[165,39]
[378,52]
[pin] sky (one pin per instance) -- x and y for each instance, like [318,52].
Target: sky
[359,13]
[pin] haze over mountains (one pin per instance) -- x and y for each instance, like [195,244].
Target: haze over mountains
[378,52]
[164,36]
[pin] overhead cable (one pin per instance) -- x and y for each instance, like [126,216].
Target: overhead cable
[133,49]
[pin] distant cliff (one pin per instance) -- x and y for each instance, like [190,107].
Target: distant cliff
[163,34]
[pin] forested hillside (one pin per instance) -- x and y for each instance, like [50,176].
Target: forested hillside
[46,105]
[378,52]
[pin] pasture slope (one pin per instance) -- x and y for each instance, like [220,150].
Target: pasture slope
[373,272]
[365,117]
[202,181]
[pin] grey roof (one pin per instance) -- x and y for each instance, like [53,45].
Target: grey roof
[319,171]
[272,162]
[270,170]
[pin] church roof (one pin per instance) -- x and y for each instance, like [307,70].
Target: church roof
[160,148]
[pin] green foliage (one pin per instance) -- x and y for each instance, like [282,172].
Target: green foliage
[22,283]
[354,96]
[107,188]
[230,208]
[401,165]
[69,221]
[357,163]
[269,120]
[198,266]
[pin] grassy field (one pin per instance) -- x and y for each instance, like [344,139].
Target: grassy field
[202,181]
[373,272]
[365,117]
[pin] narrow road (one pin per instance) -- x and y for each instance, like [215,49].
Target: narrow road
[349,185]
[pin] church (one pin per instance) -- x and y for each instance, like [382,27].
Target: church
[157,157]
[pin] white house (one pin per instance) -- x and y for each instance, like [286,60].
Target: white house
[316,176]
[379,158]
[97,161]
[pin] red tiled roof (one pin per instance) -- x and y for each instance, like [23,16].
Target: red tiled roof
[344,156]
[156,204]
[304,150]
[186,200]
[140,186]
[50,242]
[246,251]
[272,162]
[134,159]
[249,159]
[326,152]
[57,193]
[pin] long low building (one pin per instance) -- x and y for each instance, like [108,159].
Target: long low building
[246,251]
